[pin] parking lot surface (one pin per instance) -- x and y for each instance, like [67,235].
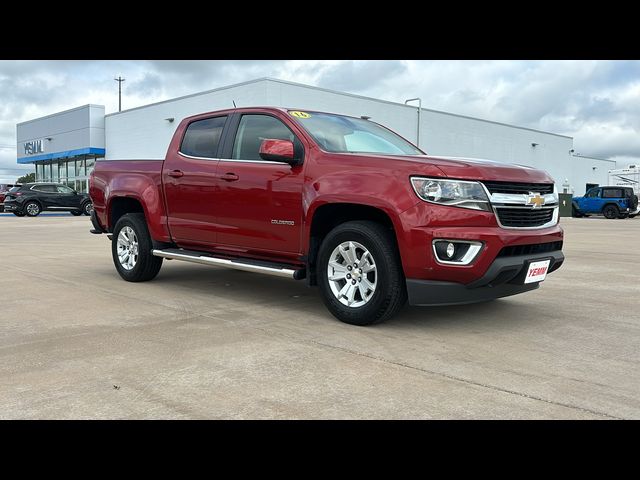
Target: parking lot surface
[202,342]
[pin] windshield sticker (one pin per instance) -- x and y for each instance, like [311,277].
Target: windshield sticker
[299,114]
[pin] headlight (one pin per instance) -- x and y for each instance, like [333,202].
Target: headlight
[455,193]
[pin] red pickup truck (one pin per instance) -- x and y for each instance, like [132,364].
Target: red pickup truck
[341,202]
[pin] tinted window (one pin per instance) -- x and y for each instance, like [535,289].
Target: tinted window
[202,137]
[45,188]
[14,189]
[612,193]
[63,189]
[253,129]
[593,193]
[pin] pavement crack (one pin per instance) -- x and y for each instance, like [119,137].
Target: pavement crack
[453,377]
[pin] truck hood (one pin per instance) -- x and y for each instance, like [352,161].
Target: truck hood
[477,169]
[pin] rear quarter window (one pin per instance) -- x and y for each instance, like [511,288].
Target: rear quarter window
[612,193]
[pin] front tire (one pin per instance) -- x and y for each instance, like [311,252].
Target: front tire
[87,207]
[611,212]
[360,273]
[131,249]
[32,209]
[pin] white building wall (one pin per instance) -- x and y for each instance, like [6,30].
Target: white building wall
[68,130]
[143,133]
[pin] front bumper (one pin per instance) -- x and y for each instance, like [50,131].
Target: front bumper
[504,277]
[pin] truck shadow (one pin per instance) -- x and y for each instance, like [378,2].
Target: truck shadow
[256,289]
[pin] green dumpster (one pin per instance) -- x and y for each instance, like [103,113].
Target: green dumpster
[565,204]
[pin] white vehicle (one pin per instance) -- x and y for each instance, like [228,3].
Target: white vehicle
[627,177]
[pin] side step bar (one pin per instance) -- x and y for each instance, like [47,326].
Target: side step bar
[237,264]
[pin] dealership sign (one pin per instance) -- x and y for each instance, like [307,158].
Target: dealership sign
[34,146]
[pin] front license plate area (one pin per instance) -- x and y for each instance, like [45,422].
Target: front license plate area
[537,271]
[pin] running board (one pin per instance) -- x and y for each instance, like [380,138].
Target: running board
[237,264]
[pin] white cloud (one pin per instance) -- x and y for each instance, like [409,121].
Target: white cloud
[596,102]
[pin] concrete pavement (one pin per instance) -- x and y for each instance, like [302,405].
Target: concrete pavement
[76,341]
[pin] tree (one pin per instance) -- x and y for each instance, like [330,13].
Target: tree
[28,178]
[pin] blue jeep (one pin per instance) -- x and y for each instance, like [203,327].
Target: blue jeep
[612,202]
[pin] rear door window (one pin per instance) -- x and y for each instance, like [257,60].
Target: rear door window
[202,137]
[64,189]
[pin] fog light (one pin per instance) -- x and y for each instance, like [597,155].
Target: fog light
[451,249]
[456,252]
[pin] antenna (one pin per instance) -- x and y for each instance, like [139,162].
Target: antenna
[234,104]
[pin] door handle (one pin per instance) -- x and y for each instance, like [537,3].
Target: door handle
[175,173]
[229,177]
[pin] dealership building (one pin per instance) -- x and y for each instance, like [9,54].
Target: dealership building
[64,146]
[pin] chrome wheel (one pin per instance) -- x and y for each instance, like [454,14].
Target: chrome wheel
[352,274]
[127,248]
[87,208]
[33,209]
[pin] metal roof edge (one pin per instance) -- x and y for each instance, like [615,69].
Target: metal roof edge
[226,87]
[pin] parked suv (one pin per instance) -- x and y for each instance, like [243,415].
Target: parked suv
[4,189]
[32,198]
[612,202]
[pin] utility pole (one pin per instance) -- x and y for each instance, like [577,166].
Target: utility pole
[119,80]
[419,109]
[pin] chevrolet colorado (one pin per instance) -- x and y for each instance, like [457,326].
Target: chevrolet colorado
[341,202]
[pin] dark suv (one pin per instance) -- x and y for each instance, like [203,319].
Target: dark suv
[32,198]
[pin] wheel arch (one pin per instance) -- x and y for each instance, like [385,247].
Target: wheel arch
[119,206]
[610,204]
[327,216]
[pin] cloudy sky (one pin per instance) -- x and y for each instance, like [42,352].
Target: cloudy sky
[596,102]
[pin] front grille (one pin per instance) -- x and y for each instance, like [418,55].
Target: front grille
[524,217]
[533,249]
[509,187]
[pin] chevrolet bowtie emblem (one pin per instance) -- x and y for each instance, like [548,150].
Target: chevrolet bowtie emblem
[535,200]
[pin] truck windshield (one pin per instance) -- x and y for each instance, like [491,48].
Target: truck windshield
[341,134]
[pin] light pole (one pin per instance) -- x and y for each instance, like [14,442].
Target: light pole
[419,109]
[119,80]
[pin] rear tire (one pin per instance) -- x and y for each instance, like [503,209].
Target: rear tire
[611,212]
[32,209]
[378,266]
[131,249]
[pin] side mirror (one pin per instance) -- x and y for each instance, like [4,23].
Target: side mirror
[278,151]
